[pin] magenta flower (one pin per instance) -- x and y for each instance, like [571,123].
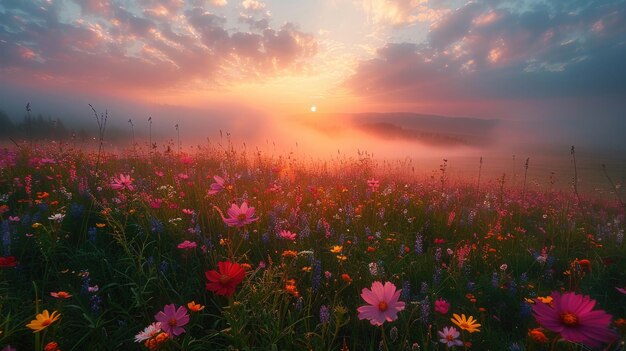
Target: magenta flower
[383,303]
[122,182]
[571,316]
[218,186]
[240,216]
[621,290]
[287,235]
[173,320]
[442,306]
[187,245]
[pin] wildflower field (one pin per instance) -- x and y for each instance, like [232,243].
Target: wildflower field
[228,249]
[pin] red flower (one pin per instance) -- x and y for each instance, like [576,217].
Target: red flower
[573,317]
[226,280]
[8,261]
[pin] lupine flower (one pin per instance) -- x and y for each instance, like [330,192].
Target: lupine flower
[172,319]
[442,306]
[43,320]
[383,303]
[122,182]
[571,316]
[226,280]
[149,332]
[450,337]
[464,323]
[239,216]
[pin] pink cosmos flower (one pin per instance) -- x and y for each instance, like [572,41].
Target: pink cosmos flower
[173,320]
[219,185]
[287,235]
[383,303]
[442,306]
[122,182]
[187,245]
[621,290]
[450,337]
[149,332]
[571,316]
[240,216]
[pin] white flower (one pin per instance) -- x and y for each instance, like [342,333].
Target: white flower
[57,217]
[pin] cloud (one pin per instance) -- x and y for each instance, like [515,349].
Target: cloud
[400,12]
[156,44]
[494,50]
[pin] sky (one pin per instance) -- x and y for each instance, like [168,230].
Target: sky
[547,69]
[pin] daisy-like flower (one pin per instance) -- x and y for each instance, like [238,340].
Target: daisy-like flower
[57,217]
[464,323]
[450,337]
[240,216]
[572,316]
[172,319]
[43,320]
[226,280]
[195,307]
[383,304]
[122,182]
[149,332]
[187,245]
[336,249]
[60,294]
[218,186]
[287,235]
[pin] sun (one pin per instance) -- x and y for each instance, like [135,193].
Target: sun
[313,108]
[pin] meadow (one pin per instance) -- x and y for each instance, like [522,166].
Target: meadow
[224,248]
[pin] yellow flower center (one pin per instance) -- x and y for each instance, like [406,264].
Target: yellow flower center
[449,337]
[242,217]
[382,306]
[569,319]
[172,322]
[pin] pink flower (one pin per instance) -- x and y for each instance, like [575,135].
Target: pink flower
[240,216]
[373,184]
[172,319]
[450,337]
[571,316]
[442,306]
[187,211]
[621,290]
[149,332]
[287,235]
[122,182]
[383,303]
[187,245]
[219,185]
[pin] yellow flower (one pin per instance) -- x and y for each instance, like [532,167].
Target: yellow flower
[336,249]
[464,323]
[36,225]
[43,320]
[341,257]
[101,225]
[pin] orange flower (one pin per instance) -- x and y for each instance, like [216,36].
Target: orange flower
[61,295]
[345,277]
[100,225]
[371,249]
[289,253]
[195,307]
[43,320]
[585,264]
[538,335]
[245,266]
[336,249]
[291,288]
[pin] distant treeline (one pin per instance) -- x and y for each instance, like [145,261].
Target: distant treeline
[48,128]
